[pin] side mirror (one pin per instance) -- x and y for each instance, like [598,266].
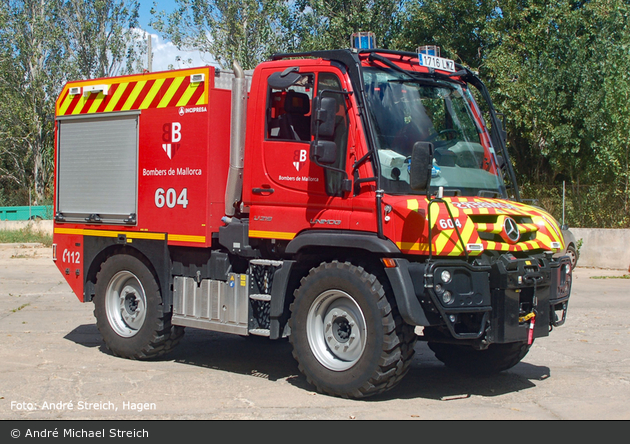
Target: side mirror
[324,113]
[421,164]
[323,152]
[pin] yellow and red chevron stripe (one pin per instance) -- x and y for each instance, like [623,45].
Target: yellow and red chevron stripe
[136,92]
[446,242]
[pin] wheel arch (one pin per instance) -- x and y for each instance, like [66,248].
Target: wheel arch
[310,249]
[154,254]
[362,249]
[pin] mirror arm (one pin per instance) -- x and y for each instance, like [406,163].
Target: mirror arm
[361,161]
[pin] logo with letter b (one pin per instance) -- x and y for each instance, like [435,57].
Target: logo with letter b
[299,158]
[171,135]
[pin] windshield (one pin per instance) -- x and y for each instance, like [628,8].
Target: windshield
[405,110]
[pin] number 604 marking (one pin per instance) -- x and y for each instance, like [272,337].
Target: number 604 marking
[445,224]
[170,198]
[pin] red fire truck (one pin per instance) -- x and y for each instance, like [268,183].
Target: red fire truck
[351,200]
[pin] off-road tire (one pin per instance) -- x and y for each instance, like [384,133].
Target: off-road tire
[495,359]
[327,292]
[153,335]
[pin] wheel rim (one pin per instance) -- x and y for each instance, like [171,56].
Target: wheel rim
[572,256]
[125,303]
[336,330]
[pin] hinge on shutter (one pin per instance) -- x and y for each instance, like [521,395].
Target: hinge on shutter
[131,220]
[93,218]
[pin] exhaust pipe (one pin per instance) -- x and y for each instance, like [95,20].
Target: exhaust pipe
[234,187]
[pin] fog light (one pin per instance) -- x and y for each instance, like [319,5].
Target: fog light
[445,276]
[447,297]
[453,318]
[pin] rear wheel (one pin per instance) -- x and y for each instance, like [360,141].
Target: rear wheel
[348,339]
[496,358]
[129,310]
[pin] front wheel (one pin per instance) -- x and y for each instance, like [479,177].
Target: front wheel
[347,337]
[129,311]
[464,358]
[573,255]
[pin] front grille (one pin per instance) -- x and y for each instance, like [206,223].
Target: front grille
[490,227]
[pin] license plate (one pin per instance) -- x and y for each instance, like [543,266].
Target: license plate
[437,62]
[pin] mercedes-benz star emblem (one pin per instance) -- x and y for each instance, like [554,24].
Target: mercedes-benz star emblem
[511,229]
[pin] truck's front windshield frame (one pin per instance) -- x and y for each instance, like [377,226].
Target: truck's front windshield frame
[406,108]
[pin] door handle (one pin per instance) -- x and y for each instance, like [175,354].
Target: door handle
[263,191]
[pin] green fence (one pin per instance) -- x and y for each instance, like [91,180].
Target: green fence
[26,213]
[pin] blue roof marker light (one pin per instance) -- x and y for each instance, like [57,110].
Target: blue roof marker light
[431,50]
[363,40]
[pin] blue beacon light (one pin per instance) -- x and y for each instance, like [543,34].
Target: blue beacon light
[363,40]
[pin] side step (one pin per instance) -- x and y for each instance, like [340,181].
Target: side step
[260,297]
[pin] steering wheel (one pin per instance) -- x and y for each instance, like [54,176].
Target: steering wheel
[445,131]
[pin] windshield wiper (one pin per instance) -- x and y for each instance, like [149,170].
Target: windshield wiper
[421,81]
[413,76]
[373,56]
[488,193]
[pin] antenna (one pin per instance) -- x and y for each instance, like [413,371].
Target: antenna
[149,53]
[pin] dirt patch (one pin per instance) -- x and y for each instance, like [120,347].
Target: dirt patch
[24,251]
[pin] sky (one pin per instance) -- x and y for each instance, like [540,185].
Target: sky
[164,52]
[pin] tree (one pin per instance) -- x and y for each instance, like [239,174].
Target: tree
[329,24]
[102,38]
[29,82]
[456,26]
[42,44]
[557,72]
[247,31]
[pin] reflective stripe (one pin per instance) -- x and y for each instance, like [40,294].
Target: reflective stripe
[187,238]
[136,92]
[271,234]
[107,233]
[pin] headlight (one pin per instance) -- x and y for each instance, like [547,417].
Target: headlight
[445,276]
[447,297]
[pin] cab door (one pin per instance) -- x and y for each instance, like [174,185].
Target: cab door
[289,192]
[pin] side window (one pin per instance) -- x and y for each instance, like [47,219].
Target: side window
[330,82]
[289,111]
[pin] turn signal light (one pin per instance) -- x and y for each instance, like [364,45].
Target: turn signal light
[389,263]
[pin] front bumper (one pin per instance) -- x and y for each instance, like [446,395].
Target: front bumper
[493,303]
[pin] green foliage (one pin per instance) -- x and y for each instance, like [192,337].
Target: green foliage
[595,206]
[101,37]
[329,24]
[625,276]
[43,43]
[559,72]
[25,235]
[247,31]
[456,26]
